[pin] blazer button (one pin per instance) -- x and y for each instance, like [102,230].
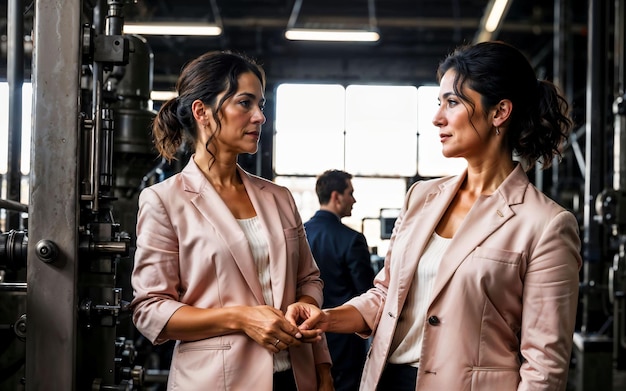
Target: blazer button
[433,320]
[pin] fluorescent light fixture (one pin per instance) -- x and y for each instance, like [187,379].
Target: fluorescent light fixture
[495,12]
[331,35]
[493,20]
[359,34]
[172,28]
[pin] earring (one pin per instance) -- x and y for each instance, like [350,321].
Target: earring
[497,131]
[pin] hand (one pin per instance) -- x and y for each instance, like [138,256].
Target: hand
[307,317]
[310,336]
[268,327]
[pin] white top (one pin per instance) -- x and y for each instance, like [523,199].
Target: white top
[407,340]
[260,252]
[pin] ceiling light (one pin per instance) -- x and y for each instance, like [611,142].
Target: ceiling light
[493,20]
[495,12]
[332,35]
[172,28]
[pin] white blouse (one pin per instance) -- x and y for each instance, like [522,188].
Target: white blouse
[260,251]
[407,340]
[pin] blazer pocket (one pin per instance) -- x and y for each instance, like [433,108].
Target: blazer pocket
[205,344]
[498,255]
[495,379]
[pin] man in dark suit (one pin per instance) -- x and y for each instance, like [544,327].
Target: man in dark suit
[343,258]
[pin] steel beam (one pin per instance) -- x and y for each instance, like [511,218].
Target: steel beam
[54,197]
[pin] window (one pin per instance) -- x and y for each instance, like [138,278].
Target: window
[381,130]
[382,134]
[365,130]
[309,128]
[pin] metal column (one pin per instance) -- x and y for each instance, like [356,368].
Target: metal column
[592,349]
[54,198]
[617,272]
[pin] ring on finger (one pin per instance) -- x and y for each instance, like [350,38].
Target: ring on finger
[276,343]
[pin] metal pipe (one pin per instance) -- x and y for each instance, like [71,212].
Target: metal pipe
[15,77]
[619,123]
[96,115]
[13,287]
[596,126]
[291,23]
[371,11]
[559,59]
[13,205]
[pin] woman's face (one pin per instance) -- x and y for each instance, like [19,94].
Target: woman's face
[464,131]
[241,117]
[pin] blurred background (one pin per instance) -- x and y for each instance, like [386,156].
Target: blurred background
[351,85]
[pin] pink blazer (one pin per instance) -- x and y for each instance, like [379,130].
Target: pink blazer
[191,251]
[508,284]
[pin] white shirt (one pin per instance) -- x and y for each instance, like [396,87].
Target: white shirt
[407,340]
[260,251]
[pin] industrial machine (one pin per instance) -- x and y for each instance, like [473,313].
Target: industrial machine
[70,327]
[66,257]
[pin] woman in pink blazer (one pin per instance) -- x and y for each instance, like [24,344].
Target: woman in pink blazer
[222,253]
[480,285]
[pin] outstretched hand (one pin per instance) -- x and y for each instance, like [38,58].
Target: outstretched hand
[307,317]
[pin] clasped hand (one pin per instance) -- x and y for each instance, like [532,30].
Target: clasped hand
[269,327]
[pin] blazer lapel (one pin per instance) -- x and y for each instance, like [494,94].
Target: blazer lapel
[485,217]
[419,224]
[265,205]
[215,211]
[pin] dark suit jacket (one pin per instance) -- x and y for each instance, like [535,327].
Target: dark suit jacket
[343,258]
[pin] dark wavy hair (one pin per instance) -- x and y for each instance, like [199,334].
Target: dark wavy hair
[203,78]
[329,181]
[539,122]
